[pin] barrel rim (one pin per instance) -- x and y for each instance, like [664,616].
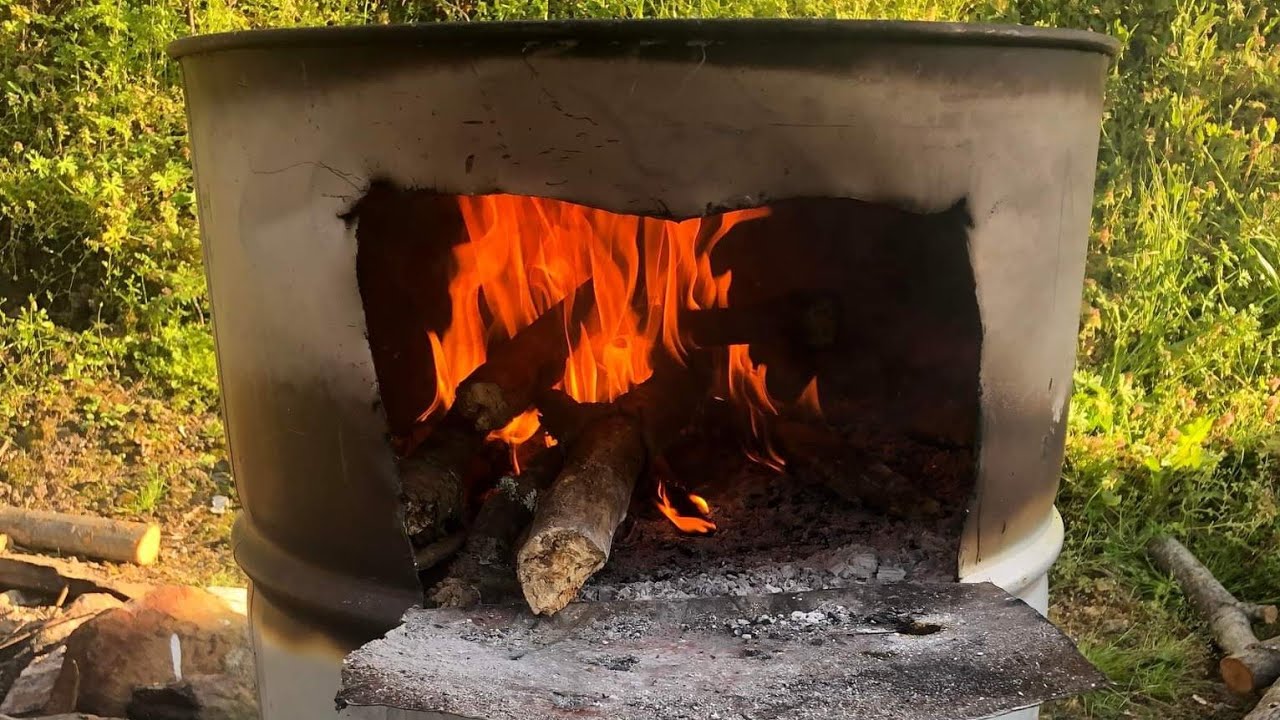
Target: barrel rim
[479,35]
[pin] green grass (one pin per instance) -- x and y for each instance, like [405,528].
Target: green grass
[1177,392]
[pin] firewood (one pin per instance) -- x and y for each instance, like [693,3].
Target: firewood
[1250,665]
[4,543]
[573,527]
[94,537]
[572,530]
[485,572]
[433,479]
[808,319]
[433,476]
[523,366]
[1268,708]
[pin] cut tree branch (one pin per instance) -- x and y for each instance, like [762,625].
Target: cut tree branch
[93,537]
[517,370]
[1250,665]
[573,528]
[433,476]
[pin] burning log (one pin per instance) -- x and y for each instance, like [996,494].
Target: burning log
[573,527]
[433,477]
[485,571]
[1250,665]
[522,367]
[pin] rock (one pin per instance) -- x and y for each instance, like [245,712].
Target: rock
[170,634]
[80,611]
[33,688]
[198,697]
[236,597]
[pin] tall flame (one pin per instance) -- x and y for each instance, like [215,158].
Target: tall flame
[522,255]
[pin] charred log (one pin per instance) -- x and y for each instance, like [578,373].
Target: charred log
[522,367]
[573,528]
[485,570]
[807,319]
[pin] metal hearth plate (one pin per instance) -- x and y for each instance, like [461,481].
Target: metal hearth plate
[904,651]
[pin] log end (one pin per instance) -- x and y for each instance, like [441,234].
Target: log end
[485,405]
[554,566]
[147,549]
[1237,675]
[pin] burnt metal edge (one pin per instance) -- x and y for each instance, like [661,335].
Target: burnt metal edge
[521,36]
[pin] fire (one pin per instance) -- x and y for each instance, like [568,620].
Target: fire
[808,400]
[523,255]
[747,388]
[686,523]
[516,433]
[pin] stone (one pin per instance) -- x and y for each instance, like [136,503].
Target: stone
[169,634]
[198,697]
[33,688]
[77,613]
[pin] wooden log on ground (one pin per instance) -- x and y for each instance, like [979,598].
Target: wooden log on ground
[93,537]
[1249,665]
[572,530]
[1268,708]
[523,366]
[1252,668]
[485,571]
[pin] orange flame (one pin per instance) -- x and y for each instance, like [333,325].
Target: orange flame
[522,255]
[747,387]
[516,433]
[808,400]
[686,523]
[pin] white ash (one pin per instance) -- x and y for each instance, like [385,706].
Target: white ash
[776,534]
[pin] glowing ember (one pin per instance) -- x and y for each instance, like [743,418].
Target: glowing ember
[523,255]
[686,523]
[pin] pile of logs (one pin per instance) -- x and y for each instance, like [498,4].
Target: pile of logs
[545,531]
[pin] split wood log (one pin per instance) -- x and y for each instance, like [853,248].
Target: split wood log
[523,366]
[432,481]
[809,319]
[93,537]
[433,476]
[485,572]
[572,530]
[1250,665]
[4,543]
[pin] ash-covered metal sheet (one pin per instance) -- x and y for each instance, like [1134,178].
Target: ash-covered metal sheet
[905,651]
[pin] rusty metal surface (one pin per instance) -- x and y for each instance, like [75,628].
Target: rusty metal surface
[905,651]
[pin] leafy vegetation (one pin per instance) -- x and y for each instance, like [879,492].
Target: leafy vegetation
[106,371]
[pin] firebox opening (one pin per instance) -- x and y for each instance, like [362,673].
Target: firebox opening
[775,399]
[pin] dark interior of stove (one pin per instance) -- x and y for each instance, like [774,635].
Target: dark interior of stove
[854,463]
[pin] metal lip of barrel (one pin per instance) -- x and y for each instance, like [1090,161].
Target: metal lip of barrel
[481,37]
